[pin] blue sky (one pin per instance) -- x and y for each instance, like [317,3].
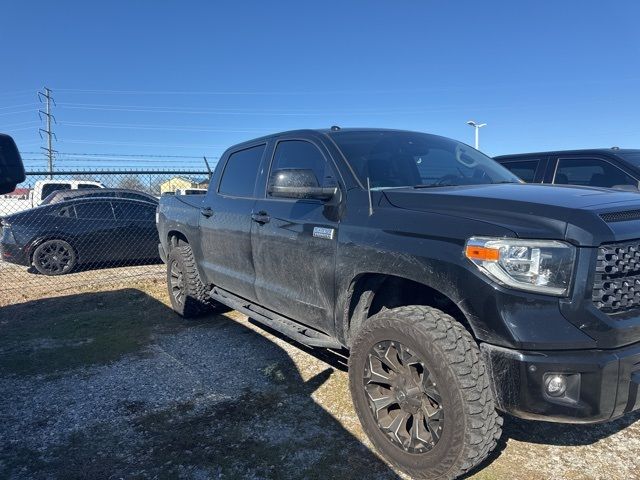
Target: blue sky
[191,78]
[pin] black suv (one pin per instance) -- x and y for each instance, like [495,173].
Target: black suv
[609,168]
[459,291]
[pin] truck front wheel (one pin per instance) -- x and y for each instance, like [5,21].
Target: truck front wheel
[189,296]
[421,391]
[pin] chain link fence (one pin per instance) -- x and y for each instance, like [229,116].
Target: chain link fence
[85,227]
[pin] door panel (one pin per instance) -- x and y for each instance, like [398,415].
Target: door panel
[295,269]
[294,251]
[136,229]
[225,239]
[225,224]
[95,231]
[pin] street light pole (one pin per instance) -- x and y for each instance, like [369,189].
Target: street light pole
[477,127]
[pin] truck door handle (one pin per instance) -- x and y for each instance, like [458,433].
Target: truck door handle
[206,212]
[260,217]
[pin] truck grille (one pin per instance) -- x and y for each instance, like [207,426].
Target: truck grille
[617,281]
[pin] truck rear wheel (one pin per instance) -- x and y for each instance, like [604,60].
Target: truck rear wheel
[421,391]
[189,296]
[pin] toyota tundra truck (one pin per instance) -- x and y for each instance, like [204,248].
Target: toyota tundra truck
[461,293]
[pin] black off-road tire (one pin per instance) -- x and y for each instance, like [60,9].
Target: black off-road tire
[189,296]
[471,424]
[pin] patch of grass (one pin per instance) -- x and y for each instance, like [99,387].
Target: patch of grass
[63,333]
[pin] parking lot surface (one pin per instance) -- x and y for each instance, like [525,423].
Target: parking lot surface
[106,382]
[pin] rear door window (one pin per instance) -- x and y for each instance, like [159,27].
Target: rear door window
[86,186]
[94,211]
[134,211]
[240,172]
[525,169]
[591,172]
[49,188]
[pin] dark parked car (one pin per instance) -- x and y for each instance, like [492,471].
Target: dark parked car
[459,291]
[603,167]
[64,195]
[56,238]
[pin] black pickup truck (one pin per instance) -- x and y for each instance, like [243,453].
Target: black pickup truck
[459,291]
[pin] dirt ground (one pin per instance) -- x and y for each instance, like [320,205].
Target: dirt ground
[106,382]
[20,284]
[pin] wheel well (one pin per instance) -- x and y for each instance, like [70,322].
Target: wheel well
[177,238]
[39,241]
[371,292]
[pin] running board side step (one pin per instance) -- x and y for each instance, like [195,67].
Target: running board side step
[297,331]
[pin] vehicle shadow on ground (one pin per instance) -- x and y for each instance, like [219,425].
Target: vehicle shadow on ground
[559,434]
[115,385]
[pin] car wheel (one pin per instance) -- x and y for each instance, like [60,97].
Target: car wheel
[421,390]
[189,296]
[54,257]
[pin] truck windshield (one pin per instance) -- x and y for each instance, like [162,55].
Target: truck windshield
[393,159]
[631,157]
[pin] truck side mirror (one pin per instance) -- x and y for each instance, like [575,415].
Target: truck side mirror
[11,168]
[298,183]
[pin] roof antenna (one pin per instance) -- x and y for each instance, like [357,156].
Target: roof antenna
[369,193]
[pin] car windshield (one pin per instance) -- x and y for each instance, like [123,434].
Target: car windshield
[631,157]
[394,159]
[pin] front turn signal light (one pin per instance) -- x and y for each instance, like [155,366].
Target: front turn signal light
[476,252]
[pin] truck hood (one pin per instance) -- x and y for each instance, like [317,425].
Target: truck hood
[532,210]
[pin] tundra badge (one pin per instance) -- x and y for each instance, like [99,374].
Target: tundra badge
[322,232]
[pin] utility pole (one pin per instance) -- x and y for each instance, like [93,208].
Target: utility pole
[206,162]
[46,95]
[477,126]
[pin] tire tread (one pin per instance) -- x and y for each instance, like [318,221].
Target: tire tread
[458,346]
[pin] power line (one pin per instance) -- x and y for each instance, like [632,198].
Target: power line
[16,92]
[33,123]
[107,160]
[20,105]
[23,128]
[19,111]
[176,128]
[264,113]
[191,92]
[136,155]
[136,144]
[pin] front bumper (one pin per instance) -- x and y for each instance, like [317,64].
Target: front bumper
[606,388]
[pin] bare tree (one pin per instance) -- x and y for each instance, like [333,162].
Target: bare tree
[132,182]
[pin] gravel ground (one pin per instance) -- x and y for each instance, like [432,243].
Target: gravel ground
[19,284]
[111,384]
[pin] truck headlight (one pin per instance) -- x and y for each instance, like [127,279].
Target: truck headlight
[543,266]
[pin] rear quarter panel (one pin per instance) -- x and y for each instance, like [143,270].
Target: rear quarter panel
[180,214]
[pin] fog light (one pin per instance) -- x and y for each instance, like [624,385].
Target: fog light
[556,385]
